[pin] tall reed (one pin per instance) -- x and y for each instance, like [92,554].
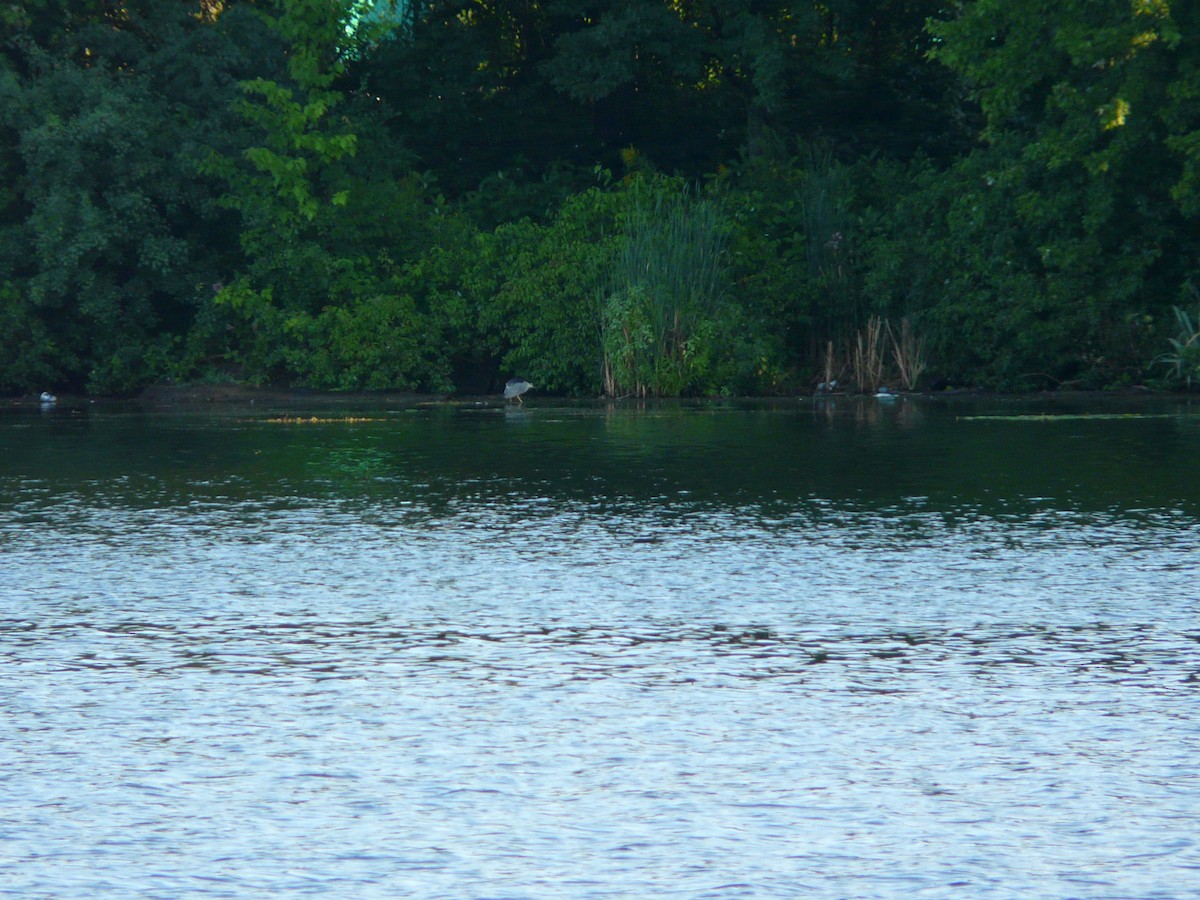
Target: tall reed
[667,281]
[831,370]
[908,351]
[867,358]
[824,201]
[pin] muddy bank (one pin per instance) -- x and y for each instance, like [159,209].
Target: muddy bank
[240,394]
[232,395]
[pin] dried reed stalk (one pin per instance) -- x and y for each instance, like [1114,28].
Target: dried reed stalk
[868,355]
[908,351]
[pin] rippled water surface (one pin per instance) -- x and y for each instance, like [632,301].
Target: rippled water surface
[758,650]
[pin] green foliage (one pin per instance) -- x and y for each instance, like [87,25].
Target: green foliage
[767,253]
[30,357]
[105,227]
[1180,111]
[374,344]
[1183,360]
[1077,186]
[666,287]
[263,189]
[320,300]
[795,252]
[545,311]
[282,190]
[631,353]
[624,291]
[248,328]
[488,86]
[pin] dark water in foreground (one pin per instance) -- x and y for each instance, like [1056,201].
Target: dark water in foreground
[751,651]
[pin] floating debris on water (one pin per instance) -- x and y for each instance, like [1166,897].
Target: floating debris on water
[322,420]
[1064,417]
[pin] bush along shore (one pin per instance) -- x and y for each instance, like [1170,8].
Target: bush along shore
[651,201]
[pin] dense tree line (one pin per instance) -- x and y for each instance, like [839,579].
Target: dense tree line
[650,197]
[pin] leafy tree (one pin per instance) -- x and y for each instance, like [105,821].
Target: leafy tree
[277,185]
[515,87]
[318,299]
[108,226]
[470,100]
[1086,135]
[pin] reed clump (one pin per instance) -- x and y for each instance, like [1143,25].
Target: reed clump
[908,352]
[867,356]
[1184,358]
[661,303]
[878,354]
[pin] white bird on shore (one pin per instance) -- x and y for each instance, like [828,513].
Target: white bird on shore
[48,399]
[515,388]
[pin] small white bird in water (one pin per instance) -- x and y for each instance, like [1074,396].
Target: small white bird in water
[515,388]
[48,399]
[885,393]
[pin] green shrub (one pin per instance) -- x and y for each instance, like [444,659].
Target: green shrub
[373,344]
[1183,360]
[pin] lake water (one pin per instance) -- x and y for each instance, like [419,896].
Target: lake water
[853,649]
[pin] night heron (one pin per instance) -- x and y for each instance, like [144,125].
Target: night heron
[515,388]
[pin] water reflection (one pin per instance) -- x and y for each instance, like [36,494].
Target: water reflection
[854,449]
[578,652]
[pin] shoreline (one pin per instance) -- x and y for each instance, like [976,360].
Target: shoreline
[240,395]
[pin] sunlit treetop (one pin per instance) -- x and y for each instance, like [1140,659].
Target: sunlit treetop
[372,20]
